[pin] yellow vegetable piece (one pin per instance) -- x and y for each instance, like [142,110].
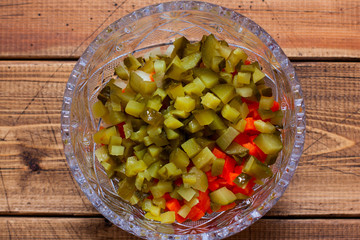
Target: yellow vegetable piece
[99,109]
[191,147]
[186,103]
[204,159]
[224,91]
[134,108]
[167,217]
[204,117]
[184,211]
[230,113]
[172,123]
[210,101]
[257,75]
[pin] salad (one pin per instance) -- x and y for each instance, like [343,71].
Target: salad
[189,131]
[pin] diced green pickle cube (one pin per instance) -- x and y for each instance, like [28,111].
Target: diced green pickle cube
[204,159]
[179,158]
[224,91]
[207,76]
[222,196]
[210,101]
[257,169]
[191,147]
[230,113]
[268,143]
[264,127]
[134,108]
[257,75]
[204,117]
[227,137]
[186,193]
[186,103]
[241,78]
[172,123]
[99,109]
[266,102]
[102,154]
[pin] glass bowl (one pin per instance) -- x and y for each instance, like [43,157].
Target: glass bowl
[157,26]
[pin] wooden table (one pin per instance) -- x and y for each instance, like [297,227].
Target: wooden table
[39,44]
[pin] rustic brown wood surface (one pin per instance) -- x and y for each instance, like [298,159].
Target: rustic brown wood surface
[39,228]
[39,41]
[63,29]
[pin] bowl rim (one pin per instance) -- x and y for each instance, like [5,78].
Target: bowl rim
[231,15]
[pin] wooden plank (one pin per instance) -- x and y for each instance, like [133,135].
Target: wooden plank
[97,228]
[63,29]
[33,165]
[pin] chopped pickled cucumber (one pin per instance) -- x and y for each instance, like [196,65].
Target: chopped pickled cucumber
[204,159]
[268,143]
[210,101]
[207,76]
[191,147]
[225,92]
[99,109]
[201,179]
[257,169]
[168,113]
[222,196]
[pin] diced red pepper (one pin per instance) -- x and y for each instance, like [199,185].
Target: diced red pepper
[173,205]
[252,106]
[214,186]
[195,213]
[151,197]
[242,138]
[238,169]
[252,149]
[253,110]
[218,153]
[275,107]
[120,127]
[210,177]
[231,177]
[228,167]
[247,62]
[204,201]
[179,218]
[155,180]
[222,183]
[248,101]
[248,190]
[226,207]
[256,115]
[250,127]
[251,138]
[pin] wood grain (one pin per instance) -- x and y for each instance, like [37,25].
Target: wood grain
[63,29]
[35,178]
[98,228]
